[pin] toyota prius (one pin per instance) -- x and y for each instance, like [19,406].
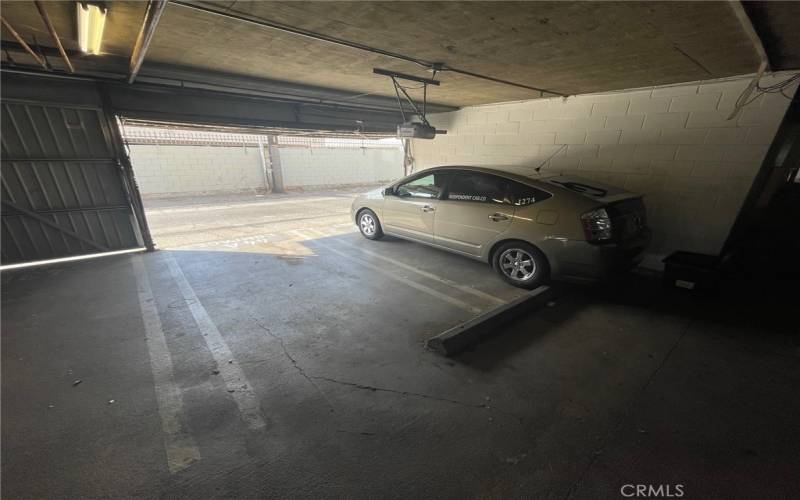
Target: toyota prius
[528,228]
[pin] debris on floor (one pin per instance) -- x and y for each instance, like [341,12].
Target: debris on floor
[76,382]
[517,459]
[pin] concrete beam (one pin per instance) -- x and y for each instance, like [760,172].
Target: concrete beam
[204,106]
[115,68]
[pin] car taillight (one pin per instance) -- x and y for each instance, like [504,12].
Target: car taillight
[597,225]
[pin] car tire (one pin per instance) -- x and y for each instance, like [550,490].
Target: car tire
[521,264]
[369,225]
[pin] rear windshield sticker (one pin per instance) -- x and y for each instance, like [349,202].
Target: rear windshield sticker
[583,188]
[525,201]
[467,197]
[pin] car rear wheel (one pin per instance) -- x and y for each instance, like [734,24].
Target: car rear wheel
[369,225]
[521,264]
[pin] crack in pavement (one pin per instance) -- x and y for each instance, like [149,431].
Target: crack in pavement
[296,366]
[395,391]
[312,378]
[418,395]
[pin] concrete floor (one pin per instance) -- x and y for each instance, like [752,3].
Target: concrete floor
[293,366]
[241,221]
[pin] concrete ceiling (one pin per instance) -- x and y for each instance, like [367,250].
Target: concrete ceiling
[777,26]
[569,47]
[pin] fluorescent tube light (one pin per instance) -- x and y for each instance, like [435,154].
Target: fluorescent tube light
[91,22]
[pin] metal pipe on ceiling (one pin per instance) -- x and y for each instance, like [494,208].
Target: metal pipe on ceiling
[431,65]
[54,35]
[151,17]
[24,45]
[504,82]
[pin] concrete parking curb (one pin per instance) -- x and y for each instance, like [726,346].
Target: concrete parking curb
[458,338]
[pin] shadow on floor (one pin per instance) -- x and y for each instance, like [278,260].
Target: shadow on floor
[624,382]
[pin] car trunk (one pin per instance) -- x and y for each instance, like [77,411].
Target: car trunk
[628,218]
[626,209]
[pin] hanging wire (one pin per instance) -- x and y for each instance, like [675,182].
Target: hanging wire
[778,87]
[745,99]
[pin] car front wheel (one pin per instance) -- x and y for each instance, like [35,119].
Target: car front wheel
[369,225]
[521,264]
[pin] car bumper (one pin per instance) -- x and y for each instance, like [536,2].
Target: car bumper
[587,262]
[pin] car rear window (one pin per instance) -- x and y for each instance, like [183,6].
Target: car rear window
[486,188]
[523,195]
[480,188]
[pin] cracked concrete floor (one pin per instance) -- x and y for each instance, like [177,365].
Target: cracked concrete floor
[294,368]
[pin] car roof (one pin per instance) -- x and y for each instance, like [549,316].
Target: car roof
[550,181]
[499,170]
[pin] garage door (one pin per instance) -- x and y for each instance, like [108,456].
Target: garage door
[64,192]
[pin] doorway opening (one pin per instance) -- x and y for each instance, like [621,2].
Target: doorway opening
[225,188]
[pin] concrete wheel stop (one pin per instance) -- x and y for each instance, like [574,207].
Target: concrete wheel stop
[460,337]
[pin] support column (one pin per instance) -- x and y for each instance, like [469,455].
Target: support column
[275,163]
[266,169]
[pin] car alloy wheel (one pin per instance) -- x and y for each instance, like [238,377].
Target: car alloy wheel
[517,264]
[367,224]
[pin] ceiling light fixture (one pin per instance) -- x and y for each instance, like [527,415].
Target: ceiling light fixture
[91,22]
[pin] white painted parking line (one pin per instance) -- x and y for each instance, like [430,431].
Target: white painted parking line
[244,241]
[429,275]
[230,371]
[413,284]
[179,445]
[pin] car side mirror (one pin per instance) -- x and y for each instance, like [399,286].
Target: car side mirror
[388,191]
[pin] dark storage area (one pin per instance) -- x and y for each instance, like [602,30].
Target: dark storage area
[692,271]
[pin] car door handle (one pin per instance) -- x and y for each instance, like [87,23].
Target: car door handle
[497,217]
[428,208]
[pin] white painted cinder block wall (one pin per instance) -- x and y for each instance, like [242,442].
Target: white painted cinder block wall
[170,169]
[310,167]
[673,144]
[175,170]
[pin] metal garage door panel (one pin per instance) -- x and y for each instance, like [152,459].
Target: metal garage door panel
[62,188]
[62,185]
[40,131]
